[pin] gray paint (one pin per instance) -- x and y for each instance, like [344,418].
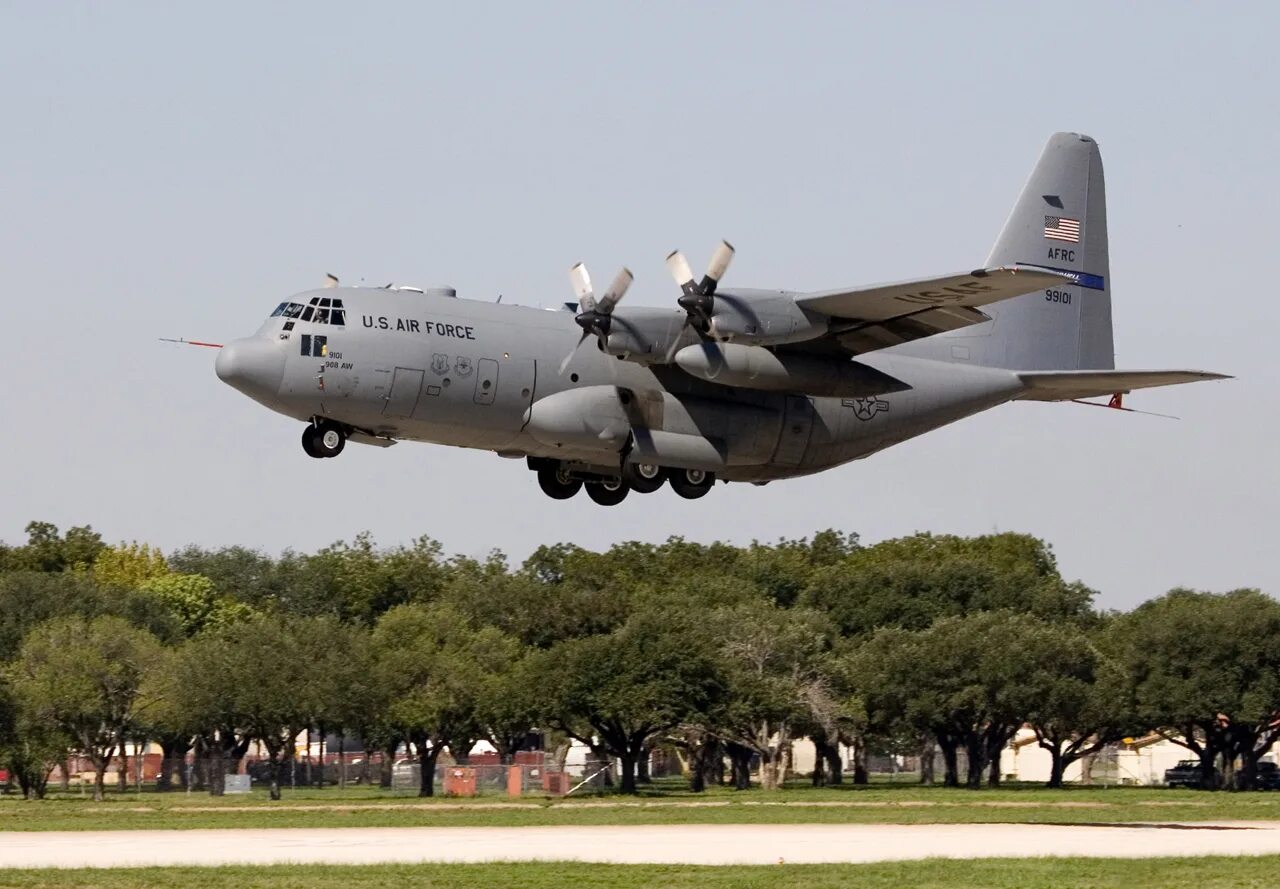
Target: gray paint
[426,366]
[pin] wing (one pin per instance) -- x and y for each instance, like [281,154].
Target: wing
[883,315]
[1065,385]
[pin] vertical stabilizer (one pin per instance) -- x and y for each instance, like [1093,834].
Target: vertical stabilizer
[1059,222]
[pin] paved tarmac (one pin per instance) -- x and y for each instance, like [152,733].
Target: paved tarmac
[664,844]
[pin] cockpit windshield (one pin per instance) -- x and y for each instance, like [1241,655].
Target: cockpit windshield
[319,310]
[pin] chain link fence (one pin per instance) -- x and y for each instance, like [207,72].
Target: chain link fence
[529,773]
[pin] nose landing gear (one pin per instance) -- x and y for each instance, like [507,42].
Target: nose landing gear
[323,439]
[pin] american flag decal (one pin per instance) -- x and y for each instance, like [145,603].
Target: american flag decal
[1060,228]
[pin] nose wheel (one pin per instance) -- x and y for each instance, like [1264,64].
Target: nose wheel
[326,439]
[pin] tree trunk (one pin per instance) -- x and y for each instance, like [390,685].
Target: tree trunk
[950,766]
[740,766]
[99,779]
[975,747]
[627,762]
[386,768]
[927,750]
[427,756]
[642,766]
[819,776]
[1057,765]
[858,747]
[217,767]
[342,760]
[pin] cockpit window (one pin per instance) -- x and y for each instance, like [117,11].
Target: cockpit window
[292,310]
[279,309]
[321,310]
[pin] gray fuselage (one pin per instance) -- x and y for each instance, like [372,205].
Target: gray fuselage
[409,365]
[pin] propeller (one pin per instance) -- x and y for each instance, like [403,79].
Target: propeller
[594,317]
[697,298]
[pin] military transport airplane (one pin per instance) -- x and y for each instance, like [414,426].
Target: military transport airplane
[740,385]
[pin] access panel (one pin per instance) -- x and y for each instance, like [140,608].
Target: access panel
[406,384]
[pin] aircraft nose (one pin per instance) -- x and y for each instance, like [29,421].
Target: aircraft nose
[254,366]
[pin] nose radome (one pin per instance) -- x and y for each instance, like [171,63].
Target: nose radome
[254,366]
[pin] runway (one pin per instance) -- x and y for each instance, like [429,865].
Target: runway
[664,844]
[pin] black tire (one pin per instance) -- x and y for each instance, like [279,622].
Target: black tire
[556,483]
[691,483]
[329,439]
[311,441]
[645,478]
[608,493]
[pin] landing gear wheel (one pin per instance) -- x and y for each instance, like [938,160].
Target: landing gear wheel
[557,484]
[609,493]
[691,483]
[311,441]
[644,478]
[325,440]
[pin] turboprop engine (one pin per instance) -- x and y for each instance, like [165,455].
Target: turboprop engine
[654,427]
[755,367]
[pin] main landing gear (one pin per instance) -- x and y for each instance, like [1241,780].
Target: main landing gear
[323,439]
[560,481]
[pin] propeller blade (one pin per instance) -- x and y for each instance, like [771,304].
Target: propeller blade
[716,268]
[681,271]
[616,291]
[564,365]
[582,287]
[330,280]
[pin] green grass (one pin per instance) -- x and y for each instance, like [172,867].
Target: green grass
[665,804]
[1041,873]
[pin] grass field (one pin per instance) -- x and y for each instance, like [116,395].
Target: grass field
[665,804]
[1042,873]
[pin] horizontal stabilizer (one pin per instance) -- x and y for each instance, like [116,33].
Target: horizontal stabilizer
[1065,385]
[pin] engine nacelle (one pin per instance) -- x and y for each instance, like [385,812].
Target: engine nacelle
[755,367]
[763,317]
[690,433]
[644,334]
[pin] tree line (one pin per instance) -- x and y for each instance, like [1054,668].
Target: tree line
[724,654]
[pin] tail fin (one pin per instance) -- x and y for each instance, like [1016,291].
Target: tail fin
[1059,222]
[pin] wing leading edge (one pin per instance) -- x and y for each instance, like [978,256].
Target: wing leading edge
[883,315]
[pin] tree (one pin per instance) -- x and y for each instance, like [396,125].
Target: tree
[29,749]
[968,681]
[913,581]
[773,661]
[630,686]
[1077,701]
[1205,671]
[49,551]
[83,676]
[429,666]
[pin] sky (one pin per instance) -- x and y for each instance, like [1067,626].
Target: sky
[176,169]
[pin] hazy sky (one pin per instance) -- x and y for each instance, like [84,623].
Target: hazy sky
[175,169]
